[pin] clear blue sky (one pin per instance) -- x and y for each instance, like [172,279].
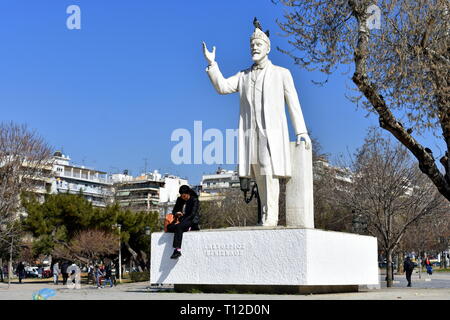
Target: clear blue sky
[111,93]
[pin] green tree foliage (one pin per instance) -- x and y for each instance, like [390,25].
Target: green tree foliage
[60,216]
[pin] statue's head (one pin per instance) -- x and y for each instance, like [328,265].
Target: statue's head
[259,43]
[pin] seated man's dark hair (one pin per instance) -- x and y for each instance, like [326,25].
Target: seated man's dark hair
[184,189]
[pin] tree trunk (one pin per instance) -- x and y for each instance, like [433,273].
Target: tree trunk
[10,272]
[1,270]
[400,259]
[145,259]
[134,257]
[389,269]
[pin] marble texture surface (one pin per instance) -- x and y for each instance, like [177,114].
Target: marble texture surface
[266,256]
[299,188]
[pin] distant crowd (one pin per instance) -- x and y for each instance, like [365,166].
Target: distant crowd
[99,275]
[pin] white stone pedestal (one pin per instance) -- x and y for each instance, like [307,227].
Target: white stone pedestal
[266,256]
[299,189]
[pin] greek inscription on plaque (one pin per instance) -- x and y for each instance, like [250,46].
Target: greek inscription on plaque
[224,250]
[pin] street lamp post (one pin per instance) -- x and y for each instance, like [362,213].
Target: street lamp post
[148,231]
[119,226]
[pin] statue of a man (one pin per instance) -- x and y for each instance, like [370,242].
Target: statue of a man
[263,140]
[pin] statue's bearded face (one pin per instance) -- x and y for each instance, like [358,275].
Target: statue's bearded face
[259,49]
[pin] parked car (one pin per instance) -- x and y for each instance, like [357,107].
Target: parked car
[32,272]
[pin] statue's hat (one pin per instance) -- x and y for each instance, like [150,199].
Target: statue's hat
[258,33]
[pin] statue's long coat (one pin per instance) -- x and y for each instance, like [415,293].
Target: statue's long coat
[278,91]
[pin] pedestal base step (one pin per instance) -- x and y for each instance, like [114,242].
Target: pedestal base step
[273,289]
[262,257]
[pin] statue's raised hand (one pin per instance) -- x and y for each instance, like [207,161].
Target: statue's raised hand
[209,56]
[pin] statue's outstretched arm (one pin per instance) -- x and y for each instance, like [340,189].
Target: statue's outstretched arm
[222,85]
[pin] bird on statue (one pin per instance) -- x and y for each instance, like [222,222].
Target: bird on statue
[257,24]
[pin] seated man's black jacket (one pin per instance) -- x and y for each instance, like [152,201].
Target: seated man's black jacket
[191,212]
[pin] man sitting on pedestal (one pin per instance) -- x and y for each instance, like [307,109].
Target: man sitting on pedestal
[186,217]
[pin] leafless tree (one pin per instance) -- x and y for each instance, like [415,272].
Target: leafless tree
[389,192]
[429,235]
[228,210]
[401,68]
[329,213]
[24,165]
[87,246]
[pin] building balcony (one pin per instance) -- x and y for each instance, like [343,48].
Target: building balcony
[216,185]
[99,204]
[84,177]
[138,189]
[86,191]
[151,200]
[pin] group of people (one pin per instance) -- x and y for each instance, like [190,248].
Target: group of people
[98,273]
[58,269]
[102,273]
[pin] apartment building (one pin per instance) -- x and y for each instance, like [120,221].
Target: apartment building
[96,185]
[147,192]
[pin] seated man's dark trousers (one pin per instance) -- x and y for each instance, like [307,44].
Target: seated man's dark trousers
[178,230]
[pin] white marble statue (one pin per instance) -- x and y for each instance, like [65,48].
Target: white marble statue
[264,148]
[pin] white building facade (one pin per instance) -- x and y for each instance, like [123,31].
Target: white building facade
[96,186]
[222,179]
[147,192]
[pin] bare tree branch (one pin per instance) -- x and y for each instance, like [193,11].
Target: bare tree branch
[402,69]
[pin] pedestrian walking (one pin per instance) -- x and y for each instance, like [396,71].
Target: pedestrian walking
[5,271]
[73,274]
[91,274]
[20,270]
[408,266]
[428,266]
[56,273]
[113,272]
[98,276]
[64,273]
[108,276]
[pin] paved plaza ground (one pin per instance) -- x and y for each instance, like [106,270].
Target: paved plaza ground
[435,287]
